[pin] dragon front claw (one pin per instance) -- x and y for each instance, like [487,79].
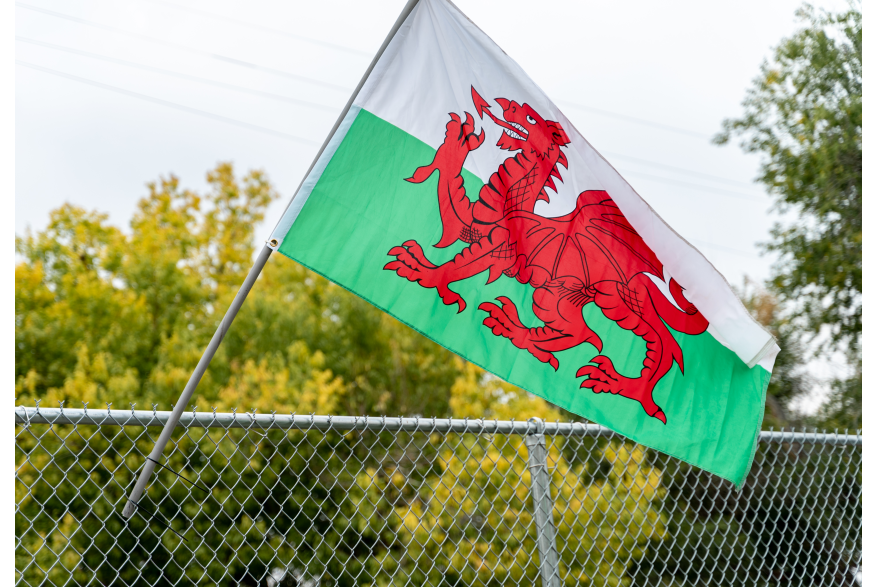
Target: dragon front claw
[412,264]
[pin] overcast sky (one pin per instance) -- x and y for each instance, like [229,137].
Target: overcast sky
[646,83]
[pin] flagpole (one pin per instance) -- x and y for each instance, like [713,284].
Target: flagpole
[154,457]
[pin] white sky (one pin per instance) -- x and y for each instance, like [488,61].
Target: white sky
[681,65]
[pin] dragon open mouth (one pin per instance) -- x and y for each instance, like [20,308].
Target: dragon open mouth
[514,134]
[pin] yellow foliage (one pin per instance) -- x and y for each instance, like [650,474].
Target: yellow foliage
[105,315]
[270,386]
[478,394]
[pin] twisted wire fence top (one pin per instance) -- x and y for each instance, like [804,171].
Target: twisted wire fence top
[252,420]
[272,499]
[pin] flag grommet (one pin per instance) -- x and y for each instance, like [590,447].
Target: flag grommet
[273,243]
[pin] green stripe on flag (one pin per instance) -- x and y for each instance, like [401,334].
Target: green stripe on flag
[362,206]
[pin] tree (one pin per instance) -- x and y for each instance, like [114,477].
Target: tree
[843,409]
[103,316]
[803,114]
[106,316]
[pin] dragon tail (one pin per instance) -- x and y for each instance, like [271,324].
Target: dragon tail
[688,320]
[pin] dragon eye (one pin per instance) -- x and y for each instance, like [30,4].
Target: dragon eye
[530,119]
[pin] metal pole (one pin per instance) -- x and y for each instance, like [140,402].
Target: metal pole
[540,486]
[158,449]
[165,436]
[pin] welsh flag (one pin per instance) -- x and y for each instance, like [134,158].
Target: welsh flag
[457,197]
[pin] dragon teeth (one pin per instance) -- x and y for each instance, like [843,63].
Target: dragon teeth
[513,134]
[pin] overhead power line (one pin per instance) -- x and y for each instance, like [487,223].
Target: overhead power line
[274,71]
[675,169]
[169,104]
[287,136]
[258,67]
[262,129]
[697,186]
[275,96]
[180,47]
[642,121]
[184,76]
[260,27]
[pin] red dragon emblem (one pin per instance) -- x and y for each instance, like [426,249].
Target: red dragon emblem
[591,255]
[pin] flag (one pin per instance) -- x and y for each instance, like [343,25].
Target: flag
[457,197]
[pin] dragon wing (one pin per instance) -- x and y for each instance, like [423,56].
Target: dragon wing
[594,243]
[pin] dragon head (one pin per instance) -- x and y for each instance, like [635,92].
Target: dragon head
[523,128]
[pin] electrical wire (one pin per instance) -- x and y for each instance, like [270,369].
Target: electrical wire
[169,104]
[260,27]
[739,196]
[179,47]
[273,71]
[258,128]
[306,141]
[642,121]
[184,76]
[341,88]
[678,169]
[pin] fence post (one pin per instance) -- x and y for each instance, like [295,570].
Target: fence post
[540,486]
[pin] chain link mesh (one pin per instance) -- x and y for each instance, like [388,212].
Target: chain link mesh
[310,500]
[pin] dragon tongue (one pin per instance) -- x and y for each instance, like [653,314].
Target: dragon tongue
[480,104]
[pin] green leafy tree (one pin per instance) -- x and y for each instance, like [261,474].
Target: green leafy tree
[111,316]
[803,114]
[843,409]
[104,316]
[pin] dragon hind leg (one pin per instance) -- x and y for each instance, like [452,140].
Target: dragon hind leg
[559,305]
[631,307]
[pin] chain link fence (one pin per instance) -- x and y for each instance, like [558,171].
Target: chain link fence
[316,500]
